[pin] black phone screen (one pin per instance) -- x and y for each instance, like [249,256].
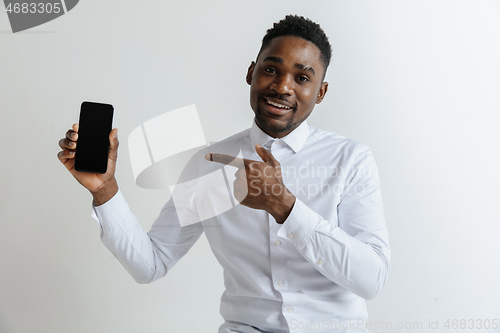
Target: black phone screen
[92,146]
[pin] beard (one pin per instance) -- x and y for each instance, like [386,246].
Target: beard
[265,124]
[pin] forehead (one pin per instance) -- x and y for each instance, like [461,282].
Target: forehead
[293,50]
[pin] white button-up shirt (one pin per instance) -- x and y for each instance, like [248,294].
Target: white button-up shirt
[311,273]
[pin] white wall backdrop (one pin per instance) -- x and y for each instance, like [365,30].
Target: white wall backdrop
[418,81]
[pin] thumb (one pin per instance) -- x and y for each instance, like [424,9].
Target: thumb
[113,144]
[266,155]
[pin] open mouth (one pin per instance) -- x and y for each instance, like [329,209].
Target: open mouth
[277,108]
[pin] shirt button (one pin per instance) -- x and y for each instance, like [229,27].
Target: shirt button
[290,235]
[289,309]
[277,242]
[320,262]
[280,283]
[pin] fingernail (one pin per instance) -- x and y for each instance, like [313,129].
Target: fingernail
[258,145]
[116,133]
[208,156]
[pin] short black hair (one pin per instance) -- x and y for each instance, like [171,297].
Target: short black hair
[294,25]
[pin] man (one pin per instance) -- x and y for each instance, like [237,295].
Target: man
[308,241]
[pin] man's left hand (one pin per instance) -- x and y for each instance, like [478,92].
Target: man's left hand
[259,185]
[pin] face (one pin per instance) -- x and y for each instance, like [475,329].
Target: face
[286,84]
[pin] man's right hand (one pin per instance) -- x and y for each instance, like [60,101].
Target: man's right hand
[102,186]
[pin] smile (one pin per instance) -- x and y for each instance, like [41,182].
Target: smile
[277,105]
[276,108]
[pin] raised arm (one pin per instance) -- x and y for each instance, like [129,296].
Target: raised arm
[146,256]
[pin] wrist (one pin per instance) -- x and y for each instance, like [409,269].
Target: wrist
[104,193]
[281,210]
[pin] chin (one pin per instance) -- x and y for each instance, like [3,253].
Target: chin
[267,125]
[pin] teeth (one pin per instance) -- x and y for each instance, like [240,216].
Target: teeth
[281,106]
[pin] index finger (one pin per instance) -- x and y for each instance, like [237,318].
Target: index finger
[226,159]
[72,134]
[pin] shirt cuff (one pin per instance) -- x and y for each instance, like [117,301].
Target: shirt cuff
[300,224]
[109,214]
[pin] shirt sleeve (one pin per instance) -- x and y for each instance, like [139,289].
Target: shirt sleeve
[146,256]
[355,254]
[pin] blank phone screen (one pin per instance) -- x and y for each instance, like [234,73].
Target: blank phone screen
[92,147]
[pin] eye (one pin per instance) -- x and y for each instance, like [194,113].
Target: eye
[270,70]
[303,78]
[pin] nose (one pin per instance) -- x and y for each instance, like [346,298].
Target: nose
[283,85]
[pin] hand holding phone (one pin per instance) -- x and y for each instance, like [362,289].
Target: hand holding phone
[102,185]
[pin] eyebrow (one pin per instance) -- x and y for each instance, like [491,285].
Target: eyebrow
[305,68]
[274,59]
[300,66]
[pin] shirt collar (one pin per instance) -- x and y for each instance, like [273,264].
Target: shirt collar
[295,139]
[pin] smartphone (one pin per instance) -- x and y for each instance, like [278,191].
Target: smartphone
[92,147]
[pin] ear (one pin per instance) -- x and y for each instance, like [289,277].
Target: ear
[322,92]
[250,73]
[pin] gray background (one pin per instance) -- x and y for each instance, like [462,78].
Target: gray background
[417,81]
